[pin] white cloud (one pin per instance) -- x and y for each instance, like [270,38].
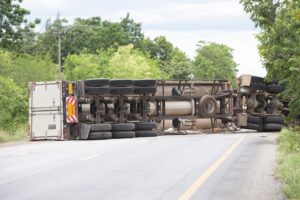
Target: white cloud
[44,5]
[179,12]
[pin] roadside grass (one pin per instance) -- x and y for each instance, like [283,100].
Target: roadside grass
[19,135]
[289,162]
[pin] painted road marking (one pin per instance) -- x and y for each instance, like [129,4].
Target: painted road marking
[199,182]
[89,157]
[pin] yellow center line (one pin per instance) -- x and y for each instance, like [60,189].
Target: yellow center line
[201,180]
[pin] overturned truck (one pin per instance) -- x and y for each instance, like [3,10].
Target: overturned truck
[102,108]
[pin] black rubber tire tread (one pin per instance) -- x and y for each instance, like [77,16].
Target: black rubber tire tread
[272,127]
[252,126]
[275,89]
[257,79]
[258,86]
[123,134]
[202,106]
[96,90]
[123,127]
[96,82]
[146,133]
[100,127]
[122,90]
[100,135]
[120,83]
[253,120]
[139,126]
[145,90]
[144,83]
[273,119]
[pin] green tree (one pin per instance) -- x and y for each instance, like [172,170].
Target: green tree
[133,30]
[15,30]
[131,63]
[13,105]
[214,61]
[179,66]
[160,49]
[126,62]
[89,35]
[85,66]
[262,12]
[47,42]
[171,60]
[24,68]
[280,47]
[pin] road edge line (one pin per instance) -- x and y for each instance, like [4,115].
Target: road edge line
[210,170]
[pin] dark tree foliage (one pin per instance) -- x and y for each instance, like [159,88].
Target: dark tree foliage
[89,35]
[15,31]
[171,60]
[215,61]
[262,12]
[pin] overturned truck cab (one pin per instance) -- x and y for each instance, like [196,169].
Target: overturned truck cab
[257,104]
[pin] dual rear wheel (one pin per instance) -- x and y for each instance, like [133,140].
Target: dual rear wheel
[123,130]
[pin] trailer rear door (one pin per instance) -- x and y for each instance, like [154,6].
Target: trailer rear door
[46,110]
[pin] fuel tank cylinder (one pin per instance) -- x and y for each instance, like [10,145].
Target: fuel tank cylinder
[175,108]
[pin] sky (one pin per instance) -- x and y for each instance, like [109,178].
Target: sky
[182,22]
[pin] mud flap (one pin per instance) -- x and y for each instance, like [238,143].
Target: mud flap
[84,130]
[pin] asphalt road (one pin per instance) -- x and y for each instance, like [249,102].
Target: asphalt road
[214,166]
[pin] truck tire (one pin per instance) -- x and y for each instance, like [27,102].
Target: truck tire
[145,126]
[272,127]
[273,120]
[253,119]
[252,126]
[257,83]
[146,133]
[145,83]
[145,90]
[96,82]
[122,90]
[275,89]
[207,106]
[96,90]
[257,79]
[99,135]
[258,86]
[123,127]
[120,83]
[100,127]
[123,134]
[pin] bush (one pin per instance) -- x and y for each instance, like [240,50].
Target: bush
[13,105]
[289,140]
[24,68]
[20,134]
[131,63]
[289,162]
[125,63]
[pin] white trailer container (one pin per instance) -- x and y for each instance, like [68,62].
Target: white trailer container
[46,110]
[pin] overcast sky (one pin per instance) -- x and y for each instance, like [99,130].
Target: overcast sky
[183,22]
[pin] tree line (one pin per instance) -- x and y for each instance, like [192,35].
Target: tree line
[104,40]
[91,48]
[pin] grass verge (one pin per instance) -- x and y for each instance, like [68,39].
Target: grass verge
[289,162]
[19,135]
